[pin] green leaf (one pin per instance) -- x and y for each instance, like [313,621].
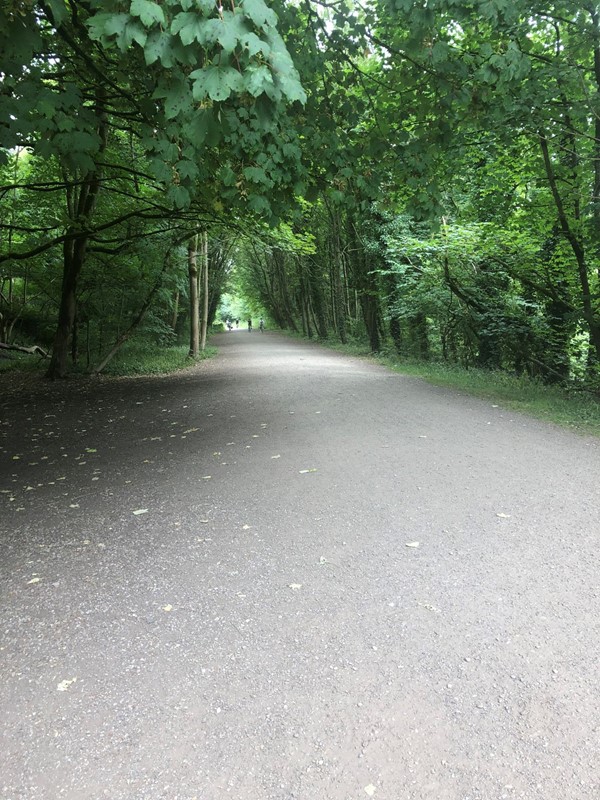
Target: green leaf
[259,204]
[158,47]
[258,80]
[260,14]
[216,82]
[230,29]
[254,44]
[177,98]
[191,28]
[257,175]
[59,10]
[187,169]
[179,196]
[148,12]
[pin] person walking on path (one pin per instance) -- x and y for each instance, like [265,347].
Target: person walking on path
[249,326]
[261,325]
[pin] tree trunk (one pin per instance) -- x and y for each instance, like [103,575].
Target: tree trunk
[204,291]
[81,203]
[175,316]
[73,258]
[337,288]
[194,300]
[576,247]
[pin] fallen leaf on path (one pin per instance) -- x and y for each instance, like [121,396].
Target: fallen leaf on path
[76,505]
[246,527]
[429,607]
[90,450]
[503,516]
[206,477]
[370,790]
[34,580]
[412,544]
[217,453]
[276,456]
[304,471]
[192,430]
[140,511]
[64,685]
[295,586]
[168,608]
[422,437]
[323,560]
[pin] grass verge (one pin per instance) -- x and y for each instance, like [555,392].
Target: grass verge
[140,358]
[574,408]
[134,358]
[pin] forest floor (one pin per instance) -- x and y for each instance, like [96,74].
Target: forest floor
[287,573]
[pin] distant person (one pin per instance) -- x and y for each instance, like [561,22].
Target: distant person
[237,323]
[229,325]
[249,326]
[261,324]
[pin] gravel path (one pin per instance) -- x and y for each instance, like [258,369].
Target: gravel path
[345,583]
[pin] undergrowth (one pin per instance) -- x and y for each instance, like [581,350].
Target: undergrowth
[134,358]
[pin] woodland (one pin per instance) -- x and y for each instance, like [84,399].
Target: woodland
[421,175]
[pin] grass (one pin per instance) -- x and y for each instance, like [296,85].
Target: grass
[142,358]
[134,358]
[21,362]
[572,408]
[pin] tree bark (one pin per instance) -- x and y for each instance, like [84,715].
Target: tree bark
[204,291]
[194,299]
[576,247]
[81,203]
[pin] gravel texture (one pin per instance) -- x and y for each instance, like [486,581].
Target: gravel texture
[345,583]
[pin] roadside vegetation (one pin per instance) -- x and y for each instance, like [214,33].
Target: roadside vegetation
[421,177]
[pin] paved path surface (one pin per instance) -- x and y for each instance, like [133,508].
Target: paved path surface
[269,628]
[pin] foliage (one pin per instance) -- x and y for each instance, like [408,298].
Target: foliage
[426,174]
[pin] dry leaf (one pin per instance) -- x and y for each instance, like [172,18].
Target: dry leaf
[34,580]
[140,511]
[503,516]
[64,685]
[304,471]
[412,544]
[276,456]
[168,608]
[370,790]
[295,585]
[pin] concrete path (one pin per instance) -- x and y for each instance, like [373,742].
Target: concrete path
[292,574]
